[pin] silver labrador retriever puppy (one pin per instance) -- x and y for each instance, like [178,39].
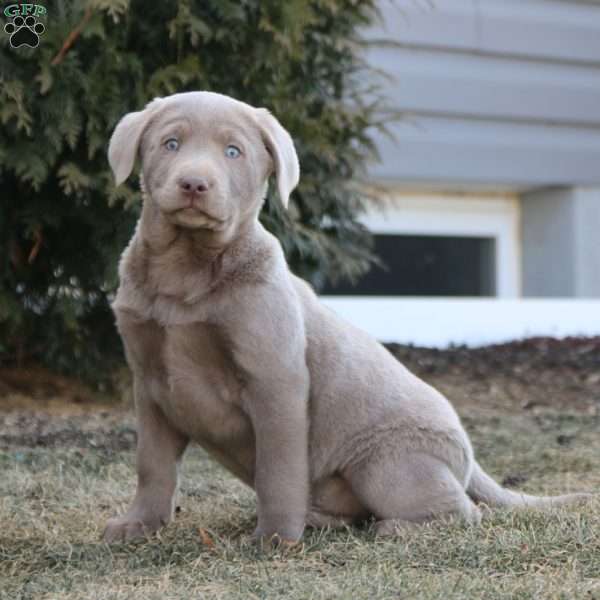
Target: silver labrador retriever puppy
[231,350]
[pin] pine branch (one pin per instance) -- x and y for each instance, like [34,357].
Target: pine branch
[72,37]
[38,237]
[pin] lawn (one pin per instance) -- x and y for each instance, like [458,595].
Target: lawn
[58,489]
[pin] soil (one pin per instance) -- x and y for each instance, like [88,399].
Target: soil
[39,408]
[563,374]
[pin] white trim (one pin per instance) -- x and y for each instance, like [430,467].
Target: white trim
[439,322]
[495,216]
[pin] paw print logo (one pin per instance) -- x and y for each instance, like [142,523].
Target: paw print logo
[24,31]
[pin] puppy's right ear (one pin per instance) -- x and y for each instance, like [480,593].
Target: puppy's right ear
[125,141]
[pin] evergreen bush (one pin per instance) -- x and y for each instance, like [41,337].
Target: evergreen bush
[63,224]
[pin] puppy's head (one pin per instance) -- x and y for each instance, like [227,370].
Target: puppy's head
[206,158]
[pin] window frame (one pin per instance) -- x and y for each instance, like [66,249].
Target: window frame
[495,216]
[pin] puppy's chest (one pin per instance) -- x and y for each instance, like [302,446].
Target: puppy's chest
[203,385]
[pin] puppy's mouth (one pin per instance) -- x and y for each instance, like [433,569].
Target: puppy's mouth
[190,216]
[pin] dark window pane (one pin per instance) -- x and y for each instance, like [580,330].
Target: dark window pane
[427,266]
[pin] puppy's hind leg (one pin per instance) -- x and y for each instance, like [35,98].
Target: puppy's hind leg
[404,491]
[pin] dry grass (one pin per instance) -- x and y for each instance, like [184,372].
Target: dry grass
[54,502]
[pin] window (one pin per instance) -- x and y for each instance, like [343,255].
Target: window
[424,265]
[442,245]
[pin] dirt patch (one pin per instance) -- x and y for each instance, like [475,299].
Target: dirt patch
[537,372]
[38,387]
[39,408]
[112,430]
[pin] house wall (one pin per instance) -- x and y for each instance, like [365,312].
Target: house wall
[587,231]
[492,92]
[495,96]
[561,242]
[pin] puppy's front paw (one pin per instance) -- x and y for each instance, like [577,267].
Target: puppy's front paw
[285,537]
[129,527]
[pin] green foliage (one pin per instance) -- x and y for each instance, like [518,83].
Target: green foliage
[63,223]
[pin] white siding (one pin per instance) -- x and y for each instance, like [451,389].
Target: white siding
[493,91]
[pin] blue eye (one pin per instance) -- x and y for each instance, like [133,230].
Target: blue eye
[232,151]
[172,144]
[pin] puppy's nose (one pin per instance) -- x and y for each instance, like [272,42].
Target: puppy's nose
[193,185]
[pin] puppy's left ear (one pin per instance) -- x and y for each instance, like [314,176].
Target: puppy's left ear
[281,148]
[125,141]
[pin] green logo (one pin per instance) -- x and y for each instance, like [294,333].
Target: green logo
[14,10]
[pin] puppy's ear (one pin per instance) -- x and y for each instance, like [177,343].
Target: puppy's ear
[281,148]
[125,141]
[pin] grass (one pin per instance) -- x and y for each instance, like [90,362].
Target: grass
[54,503]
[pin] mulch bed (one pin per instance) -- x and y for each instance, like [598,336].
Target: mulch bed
[39,408]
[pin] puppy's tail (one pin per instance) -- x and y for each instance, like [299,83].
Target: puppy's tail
[483,489]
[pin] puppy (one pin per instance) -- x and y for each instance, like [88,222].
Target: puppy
[231,350]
